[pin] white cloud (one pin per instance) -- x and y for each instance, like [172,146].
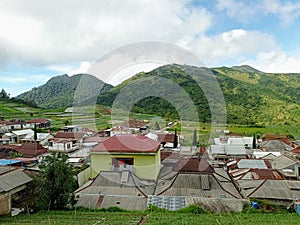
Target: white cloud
[24,79]
[234,45]
[241,10]
[44,33]
[13,80]
[275,62]
[83,68]
[130,70]
[71,69]
[68,36]
[287,11]
[247,11]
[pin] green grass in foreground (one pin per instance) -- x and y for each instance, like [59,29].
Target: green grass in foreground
[159,218]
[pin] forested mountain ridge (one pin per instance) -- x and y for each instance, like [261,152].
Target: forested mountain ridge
[252,97]
[59,91]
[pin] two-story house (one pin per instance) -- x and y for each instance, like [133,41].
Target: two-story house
[136,153]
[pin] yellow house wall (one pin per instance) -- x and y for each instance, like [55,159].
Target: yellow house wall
[146,166]
[100,162]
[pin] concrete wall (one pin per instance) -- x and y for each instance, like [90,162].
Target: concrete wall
[84,176]
[5,206]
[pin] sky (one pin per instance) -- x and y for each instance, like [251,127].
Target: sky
[42,39]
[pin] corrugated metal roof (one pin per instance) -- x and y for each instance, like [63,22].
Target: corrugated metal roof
[12,179]
[275,145]
[128,203]
[235,150]
[218,149]
[113,179]
[235,141]
[193,165]
[104,197]
[222,172]
[23,132]
[293,185]
[252,163]
[282,161]
[204,182]
[256,174]
[4,170]
[108,190]
[271,189]
[189,184]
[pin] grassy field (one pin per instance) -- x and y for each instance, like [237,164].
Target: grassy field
[159,218]
[100,118]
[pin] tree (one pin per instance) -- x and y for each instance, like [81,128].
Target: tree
[35,132]
[156,126]
[66,122]
[3,94]
[195,142]
[175,144]
[55,184]
[254,142]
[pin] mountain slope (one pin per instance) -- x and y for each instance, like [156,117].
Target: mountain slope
[251,96]
[59,91]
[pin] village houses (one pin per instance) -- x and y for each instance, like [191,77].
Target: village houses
[131,166]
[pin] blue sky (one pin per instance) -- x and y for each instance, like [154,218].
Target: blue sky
[40,39]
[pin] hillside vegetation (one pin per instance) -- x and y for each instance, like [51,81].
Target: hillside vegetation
[59,91]
[252,97]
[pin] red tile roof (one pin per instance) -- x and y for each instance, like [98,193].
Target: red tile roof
[257,174]
[163,138]
[60,140]
[3,122]
[193,165]
[281,137]
[70,135]
[28,150]
[128,143]
[266,174]
[17,121]
[296,150]
[38,120]
[169,155]
[134,123]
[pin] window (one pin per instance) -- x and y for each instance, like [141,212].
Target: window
[122,163]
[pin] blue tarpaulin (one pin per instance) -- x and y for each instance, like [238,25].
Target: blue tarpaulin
[254,205]
[297,207]
[7,162]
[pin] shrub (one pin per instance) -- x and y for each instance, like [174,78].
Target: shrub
[195,209]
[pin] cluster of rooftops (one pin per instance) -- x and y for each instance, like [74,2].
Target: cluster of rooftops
[132,171]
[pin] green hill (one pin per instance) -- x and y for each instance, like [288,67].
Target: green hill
[252,97]
[59,91]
